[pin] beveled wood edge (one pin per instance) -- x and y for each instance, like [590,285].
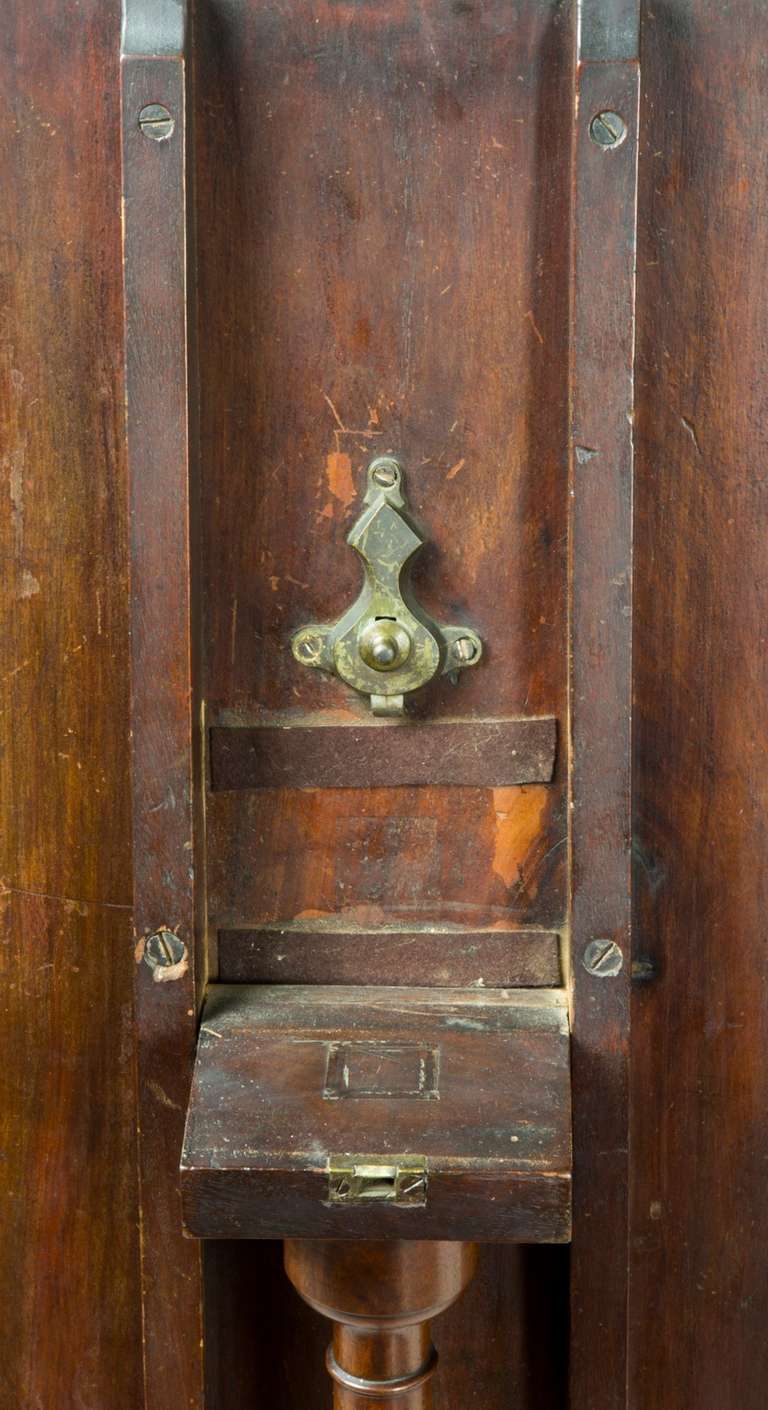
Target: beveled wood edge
[495,1206]
[552,1003]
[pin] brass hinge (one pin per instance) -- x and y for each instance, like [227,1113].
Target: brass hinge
[399,1180]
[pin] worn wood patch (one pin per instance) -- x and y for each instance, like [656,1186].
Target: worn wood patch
[450,856]
[307,954]
[473,753]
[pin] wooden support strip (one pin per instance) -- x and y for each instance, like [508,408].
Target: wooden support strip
[603,315]
[472,753]
[296,954]
[159,378]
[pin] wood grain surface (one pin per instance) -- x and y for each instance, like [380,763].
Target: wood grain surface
[381,1298]
[402,287]
[304,953]
[699,1284]
[70,1267]
[438,754]
[384,193]
[70,1331]
[160,399]
[604,245]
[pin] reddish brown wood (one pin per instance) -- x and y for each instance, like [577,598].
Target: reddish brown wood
[472,753]
[699,1278]
[381,1298]
[698,1286]
[68,1091]
[602,409]
[160,397]
[383,191]
[285,1078]
[304,954]
[69,1271]
[474,857]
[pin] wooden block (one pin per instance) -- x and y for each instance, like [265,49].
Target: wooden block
[304,953]
[287,1079]
[384,754]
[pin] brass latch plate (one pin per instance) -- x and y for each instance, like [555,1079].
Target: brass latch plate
[386,645]
[400,1180]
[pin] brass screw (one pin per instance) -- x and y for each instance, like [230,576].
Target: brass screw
[608,129]
[385,472]
[603,958]
[309,648]
[156,122]
[465,649]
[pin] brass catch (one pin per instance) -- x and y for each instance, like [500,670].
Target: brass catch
[360,1180]
[386,645]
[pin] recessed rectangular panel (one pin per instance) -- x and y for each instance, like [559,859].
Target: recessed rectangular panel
[377,1069]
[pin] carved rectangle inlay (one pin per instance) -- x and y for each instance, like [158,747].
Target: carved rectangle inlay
[405,1070]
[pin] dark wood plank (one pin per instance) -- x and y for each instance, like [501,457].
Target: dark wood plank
[160,397]
[441,753]
[303,954]
[477,1083]
[602,409]
[70,1332]
[699,1140]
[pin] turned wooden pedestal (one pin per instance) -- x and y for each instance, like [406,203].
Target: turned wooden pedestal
[381,1298]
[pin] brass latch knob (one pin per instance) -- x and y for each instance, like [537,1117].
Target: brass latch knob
[386,645]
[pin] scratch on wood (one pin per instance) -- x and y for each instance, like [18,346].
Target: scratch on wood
[691,429]
[161,1096]
[532,321]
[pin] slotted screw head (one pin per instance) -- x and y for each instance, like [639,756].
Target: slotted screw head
[608,129]
[156,122]
[603,958]
[163,949]
[309,648]
[465,649]
[385,472]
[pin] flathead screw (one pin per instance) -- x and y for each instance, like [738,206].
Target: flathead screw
[309,648]
[156,122]
[385,472]
[163,949]
[603,958]
[608,129]
[465,649]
